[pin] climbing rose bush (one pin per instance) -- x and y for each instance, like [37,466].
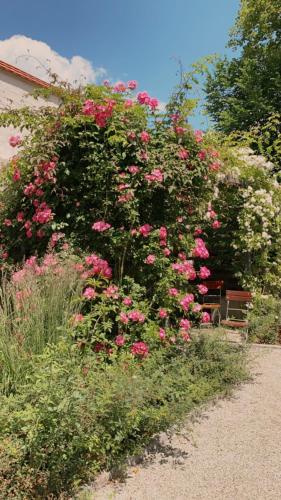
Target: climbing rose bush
[110,176]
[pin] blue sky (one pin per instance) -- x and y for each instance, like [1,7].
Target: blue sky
[131,39]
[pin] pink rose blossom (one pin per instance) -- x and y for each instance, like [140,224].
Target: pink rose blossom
[162,313]
[77,318]
[153,103]
[16,175]
[136,316]
[20,216]
[101,226]
[215,166]
[131,136]
[119,87]
[185,324]
[205,318]
[204,273]
[202,155]
[198,231]
[124,318]
[89,293]
[111,292]
[200,249]
[133,169]
[198,134]
[196,308]
[185,336]
[162,333]
[155,176]
[8,222]
[143,98]
[120,340]
[129,103]
[186,301]
[173,292]
[140,349]
[144,136]
[163,233]
[15,140]
[183,154]
[132,84]
[145,230]
[150,259]
[106,83]
[167,252]
[127,301]
[180,130]
[202,289]
[216,224]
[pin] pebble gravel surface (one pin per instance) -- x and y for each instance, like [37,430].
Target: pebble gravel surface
[232,452]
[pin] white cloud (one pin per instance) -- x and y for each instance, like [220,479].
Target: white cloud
[38,58]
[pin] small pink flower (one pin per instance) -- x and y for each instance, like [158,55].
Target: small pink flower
[119,87]
[150,259]
[185,324]
[163,233]
[198,134]
[143,98]
[8,222]
[173,339]
[167,252]
[127,301]
[183,154]
[173,292]
[20,216]
[131,136]
[196,308]
[202,289]
[106,83]
[111,292]
[140,349]
[89,293]
[136,316]
[198,231]
[133,169]
[77,318]
[155,176]
[186,301]
[153,103]
[15,140]
[216,224]
[204,273]
[144,136]
[205,318]
[132,84]
[145,230]
[120,340]
[180,130]
[202,155]
[128,103]
[215,166]
[162,313]
[162,333]
[101,226]
[185,336]
[16,175]
[124,318]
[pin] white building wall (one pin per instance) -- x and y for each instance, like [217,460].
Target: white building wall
[15,93]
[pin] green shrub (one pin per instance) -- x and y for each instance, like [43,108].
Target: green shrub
[265,319]
[74,415]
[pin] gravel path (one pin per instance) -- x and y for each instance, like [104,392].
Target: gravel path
[232,453]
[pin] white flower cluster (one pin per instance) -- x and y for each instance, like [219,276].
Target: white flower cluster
[259,220]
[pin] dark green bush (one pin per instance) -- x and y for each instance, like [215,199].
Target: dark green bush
[74,415]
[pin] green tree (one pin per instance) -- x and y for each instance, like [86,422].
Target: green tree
[246,90]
